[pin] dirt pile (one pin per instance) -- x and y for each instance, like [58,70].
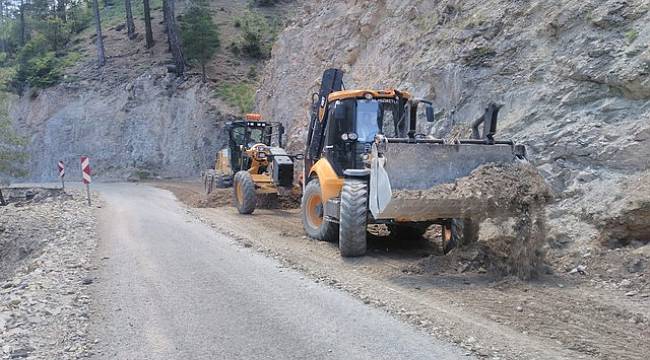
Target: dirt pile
[628,218]
[508,201]
[193,195]
[489,190]
[31,195]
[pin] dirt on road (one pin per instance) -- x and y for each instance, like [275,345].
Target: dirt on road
[594,310]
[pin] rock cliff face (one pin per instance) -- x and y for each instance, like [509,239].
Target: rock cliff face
[137,128]
[574,78]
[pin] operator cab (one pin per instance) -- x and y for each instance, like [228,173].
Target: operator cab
[245,134]
[355,117]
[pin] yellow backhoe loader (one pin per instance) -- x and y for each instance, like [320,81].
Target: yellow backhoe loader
[363,148]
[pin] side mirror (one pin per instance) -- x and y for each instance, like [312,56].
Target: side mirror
[430,115]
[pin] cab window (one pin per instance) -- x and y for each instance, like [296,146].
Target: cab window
[367,120]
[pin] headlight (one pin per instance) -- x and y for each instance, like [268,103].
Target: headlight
[261,155]
[349,136]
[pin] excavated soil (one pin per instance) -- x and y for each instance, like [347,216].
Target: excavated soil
[508,201]
[193,195]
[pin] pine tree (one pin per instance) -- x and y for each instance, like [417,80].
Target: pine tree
[172,37]
[200,36]
[11,155]
[130,26]
[147,25]
[101,58]
[22,23]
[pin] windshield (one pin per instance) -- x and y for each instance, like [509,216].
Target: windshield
[255,135]
[367,120]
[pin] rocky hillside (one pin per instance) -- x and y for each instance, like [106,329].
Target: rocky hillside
[574,78]
[133,118]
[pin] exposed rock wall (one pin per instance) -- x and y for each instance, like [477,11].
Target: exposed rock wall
[148,126]
[573,75]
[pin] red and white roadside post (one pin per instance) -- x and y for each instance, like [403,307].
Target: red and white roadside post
[85,172]
[61,167]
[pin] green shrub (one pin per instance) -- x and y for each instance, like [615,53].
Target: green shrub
[43,71]
[631,36]
[257,36]
[241,96]
[264,2]
[79,17]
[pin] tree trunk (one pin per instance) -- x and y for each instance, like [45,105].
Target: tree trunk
[172,36]
[22,22]
[2,199]
[147,25]
[60,9]
[204,78]
[101,59]
[130,26]
[165,16]
[3,41]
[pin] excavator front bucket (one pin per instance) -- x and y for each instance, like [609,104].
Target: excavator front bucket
[408,171]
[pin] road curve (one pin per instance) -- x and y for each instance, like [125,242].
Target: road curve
[169,287]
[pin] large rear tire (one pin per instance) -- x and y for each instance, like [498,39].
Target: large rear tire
[458,233]
[353,218]
[312,215]
[244,197]
[219,181]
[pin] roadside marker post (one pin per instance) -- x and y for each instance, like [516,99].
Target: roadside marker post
[85,172]
[61,167]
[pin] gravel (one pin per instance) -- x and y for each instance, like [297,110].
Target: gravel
[46,248]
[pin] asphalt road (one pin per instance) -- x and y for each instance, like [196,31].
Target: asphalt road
[170,287]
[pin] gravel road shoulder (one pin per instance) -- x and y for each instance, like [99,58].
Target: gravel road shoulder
[47,245]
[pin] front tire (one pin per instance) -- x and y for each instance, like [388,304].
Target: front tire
[353,218]
[458,233]
[244,196]
[316,226]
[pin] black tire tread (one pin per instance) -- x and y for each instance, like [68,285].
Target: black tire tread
[463,233]
[249,200]
[353,218]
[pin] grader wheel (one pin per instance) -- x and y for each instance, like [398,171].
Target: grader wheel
[244,197]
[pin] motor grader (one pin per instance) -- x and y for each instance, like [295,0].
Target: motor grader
[363,148]
[263,169]
[242,134]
